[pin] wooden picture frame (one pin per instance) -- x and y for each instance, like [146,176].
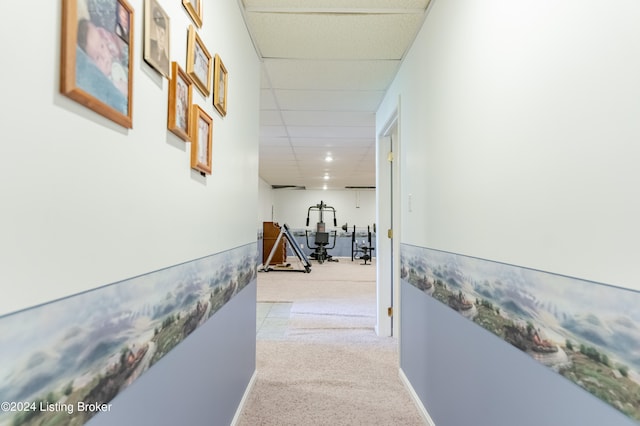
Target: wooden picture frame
[96,61]
[194,9]
[180,99]
[220,79]
[201,137]
[157,28]
[199,62]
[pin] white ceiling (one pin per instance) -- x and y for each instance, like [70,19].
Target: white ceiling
[326,66]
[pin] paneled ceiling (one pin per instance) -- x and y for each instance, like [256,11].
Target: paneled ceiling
[326,67]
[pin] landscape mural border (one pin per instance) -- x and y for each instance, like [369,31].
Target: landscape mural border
[588,332]
[64,361]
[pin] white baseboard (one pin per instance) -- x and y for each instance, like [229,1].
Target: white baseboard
[416,399]
[243,401]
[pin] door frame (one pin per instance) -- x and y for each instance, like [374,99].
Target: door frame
[388,217]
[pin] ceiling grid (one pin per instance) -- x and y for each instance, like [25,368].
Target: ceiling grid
[325,71]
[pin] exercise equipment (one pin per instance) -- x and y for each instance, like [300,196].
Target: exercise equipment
[365,250]
[321,243]
[286,233]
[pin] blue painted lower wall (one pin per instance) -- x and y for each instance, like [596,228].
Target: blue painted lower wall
[175,346]
[465,374]
[201,381]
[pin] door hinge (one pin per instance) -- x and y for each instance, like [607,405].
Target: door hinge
[390,311]
[390,233]
[390,156]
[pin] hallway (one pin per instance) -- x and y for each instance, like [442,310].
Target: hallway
[319,360]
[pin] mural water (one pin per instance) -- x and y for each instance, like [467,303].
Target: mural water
[63,362]
[585,331]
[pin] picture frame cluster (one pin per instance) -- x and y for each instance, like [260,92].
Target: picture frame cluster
[97,67]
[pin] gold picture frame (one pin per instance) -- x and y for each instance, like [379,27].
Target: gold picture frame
[96,57]
[220,79]
[157,28]
[201,140]
[199,62]
[180,99]
[194,9]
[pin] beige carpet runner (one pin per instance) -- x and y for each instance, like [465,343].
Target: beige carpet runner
[319,361]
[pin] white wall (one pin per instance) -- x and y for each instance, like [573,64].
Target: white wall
[86,202]
[352,207]
[265,203]
[519,134]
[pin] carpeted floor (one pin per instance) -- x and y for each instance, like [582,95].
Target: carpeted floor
[319,361]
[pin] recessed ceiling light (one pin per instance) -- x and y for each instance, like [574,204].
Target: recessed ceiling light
[328,158]
[324,187]
[326,177]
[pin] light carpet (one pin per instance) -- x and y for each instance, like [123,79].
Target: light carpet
[319,360]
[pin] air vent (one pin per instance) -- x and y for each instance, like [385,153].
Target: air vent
[298,187]
[360,187]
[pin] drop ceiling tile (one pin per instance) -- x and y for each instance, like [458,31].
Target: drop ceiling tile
[329,36]
[318,153]
[328,100]
[336,5]
[332,142]
[331,75]
[272,131]
[369,157]
[364,167]
[274,141]
[280,169]
[314,153]
[278,154]
[329,118]
[279,178]
[331,132]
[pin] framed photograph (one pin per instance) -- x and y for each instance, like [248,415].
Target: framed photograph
[180,91]
[220,86]
[199,62]
[194,8]
[96,64]
[156,37]
[201,136]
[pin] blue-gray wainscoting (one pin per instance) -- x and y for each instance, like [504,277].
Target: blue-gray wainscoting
[175,346]
[489,343]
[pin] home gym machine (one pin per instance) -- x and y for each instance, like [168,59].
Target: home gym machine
[322,236]
[361,251]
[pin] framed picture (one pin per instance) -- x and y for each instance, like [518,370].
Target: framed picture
[156,37]
[220,86]
[194,8]
[199,62]
[201,135]
[180,91]
[96,64]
